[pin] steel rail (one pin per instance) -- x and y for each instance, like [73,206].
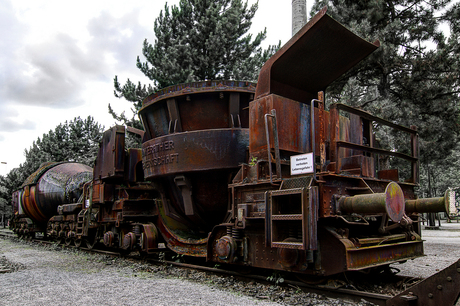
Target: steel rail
[328,291]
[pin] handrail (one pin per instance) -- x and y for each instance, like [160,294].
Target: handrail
[350,145]
[366,115]
[413,158]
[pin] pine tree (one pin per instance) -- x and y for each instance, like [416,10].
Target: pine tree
[75,141]
[413,78]
[198,40]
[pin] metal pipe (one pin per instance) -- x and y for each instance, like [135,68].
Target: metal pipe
[444,204]
[390,202]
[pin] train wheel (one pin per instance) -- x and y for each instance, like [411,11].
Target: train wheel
[90,242]
[68,241]
[77,242]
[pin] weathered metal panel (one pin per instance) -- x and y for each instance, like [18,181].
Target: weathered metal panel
[293,124]
[135,172]
[367,257]
[110,161]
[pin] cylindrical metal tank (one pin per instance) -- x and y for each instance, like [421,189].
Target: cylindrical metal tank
[53,184]
[196,136]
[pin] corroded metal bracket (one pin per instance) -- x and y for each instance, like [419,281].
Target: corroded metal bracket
[442,288]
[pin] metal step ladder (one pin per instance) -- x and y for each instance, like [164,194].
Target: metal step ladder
[291,218]
[81,217]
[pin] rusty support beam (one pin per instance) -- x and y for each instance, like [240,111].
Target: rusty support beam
[234,110]
[175,124]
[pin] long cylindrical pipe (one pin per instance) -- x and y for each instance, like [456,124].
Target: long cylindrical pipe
[390,202]
[430,205]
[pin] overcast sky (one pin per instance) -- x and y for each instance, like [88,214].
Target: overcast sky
[58,60]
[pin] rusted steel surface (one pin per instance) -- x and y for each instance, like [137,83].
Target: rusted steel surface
[226,247]
[293,124]
[354,137]
[150,238]
[30,205]
[197,106]
[199,87]
[135,172]
[16,202]
[110,161]
[442,288]
[318,54]
[339,252]
[60,184]
[194,151]
[196,136]
[180,245]
[368,257]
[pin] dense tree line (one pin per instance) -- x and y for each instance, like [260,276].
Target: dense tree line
[76,141]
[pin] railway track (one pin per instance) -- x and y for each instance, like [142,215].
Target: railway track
[336,288]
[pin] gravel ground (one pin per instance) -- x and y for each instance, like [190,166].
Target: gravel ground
[43,275]
[49,275]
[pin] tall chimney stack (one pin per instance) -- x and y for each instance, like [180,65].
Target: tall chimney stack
[299,15]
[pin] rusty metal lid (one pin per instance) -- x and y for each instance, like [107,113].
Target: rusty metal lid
[318,54]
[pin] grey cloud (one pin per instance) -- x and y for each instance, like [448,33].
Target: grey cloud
[54,81]
[54,73]
[109,36]
[60,67]
[10,125]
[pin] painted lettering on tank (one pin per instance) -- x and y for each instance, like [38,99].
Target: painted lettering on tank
[159,154]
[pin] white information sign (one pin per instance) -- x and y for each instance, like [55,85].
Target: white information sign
[302,164]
